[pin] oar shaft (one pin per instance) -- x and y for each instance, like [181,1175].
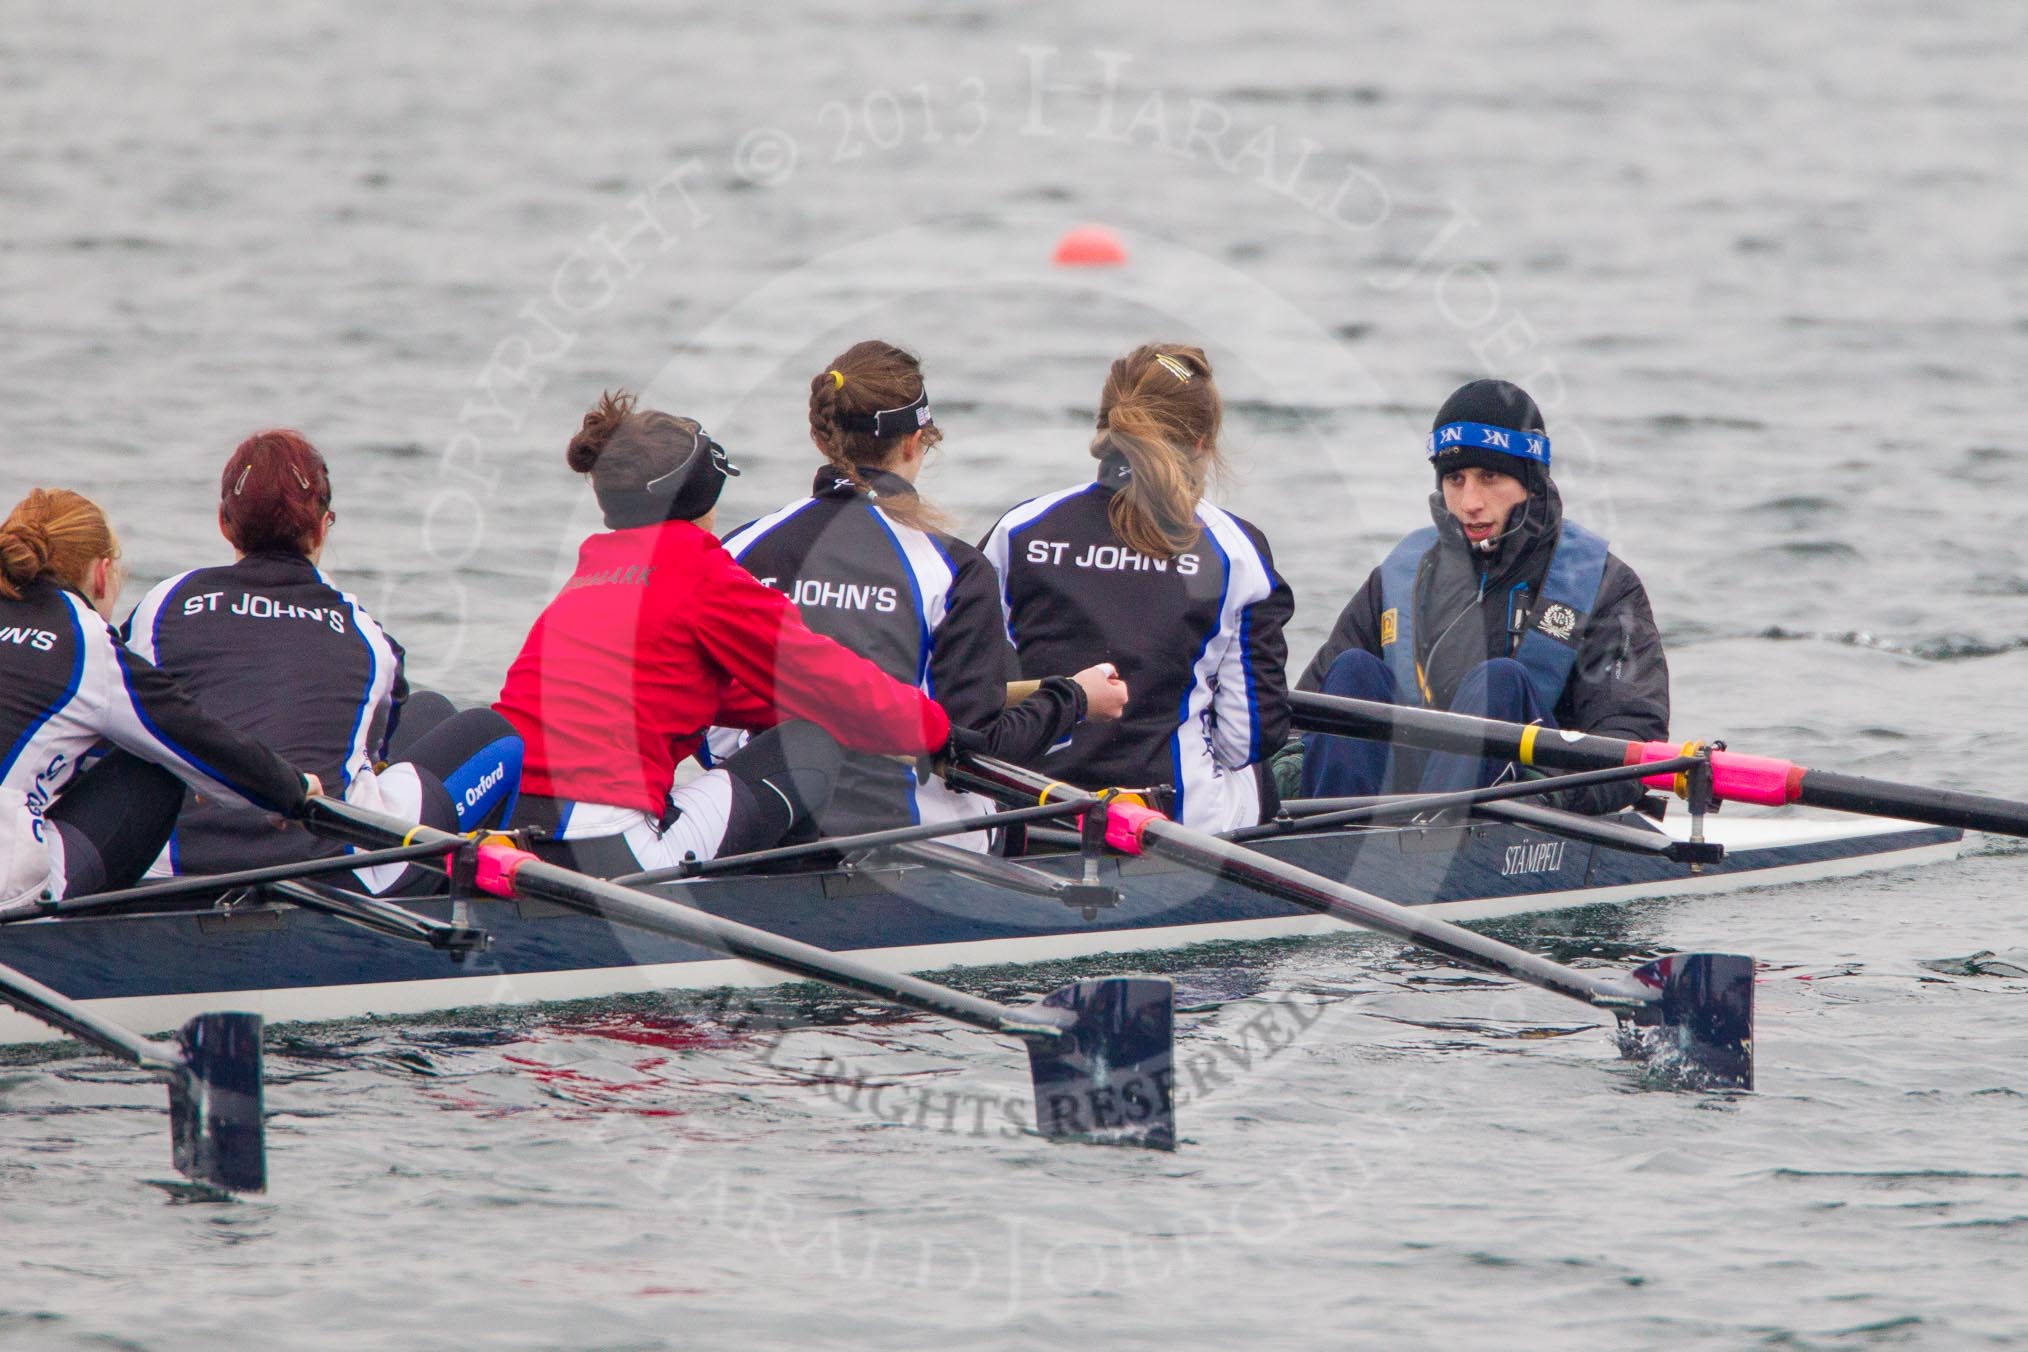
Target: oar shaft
[1436,730]
[563,887]
[1735,777]
[508,872]
[1354,907]
[58,1010]
[1944,807]
[1155,834]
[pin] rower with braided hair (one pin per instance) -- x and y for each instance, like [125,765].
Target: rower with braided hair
[1138,570]
[871,565]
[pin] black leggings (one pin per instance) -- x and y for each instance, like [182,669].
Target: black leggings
[114,819]
[473,755]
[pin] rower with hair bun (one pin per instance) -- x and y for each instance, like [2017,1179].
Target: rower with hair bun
[271,645]
[66,684]
[659,635]
[1181,596]
[869,564]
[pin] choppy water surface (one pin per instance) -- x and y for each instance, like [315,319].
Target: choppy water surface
[1764,264]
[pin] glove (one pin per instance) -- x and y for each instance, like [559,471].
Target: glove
[963,742]
[1287,765]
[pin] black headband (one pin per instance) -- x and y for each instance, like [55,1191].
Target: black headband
[684,492]
[891,422]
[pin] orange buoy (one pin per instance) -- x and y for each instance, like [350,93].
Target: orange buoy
[1089,246]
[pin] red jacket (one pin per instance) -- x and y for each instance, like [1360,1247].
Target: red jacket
[658,636]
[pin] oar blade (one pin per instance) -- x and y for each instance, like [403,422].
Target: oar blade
[215,1110]
[1111,1078]
[1703,1013]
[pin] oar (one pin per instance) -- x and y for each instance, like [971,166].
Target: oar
[214,1073]
[1702,1003]
[1100,1052]
[1735,777]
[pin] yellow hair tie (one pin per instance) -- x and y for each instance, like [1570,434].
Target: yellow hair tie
[1042,799]
[838,377]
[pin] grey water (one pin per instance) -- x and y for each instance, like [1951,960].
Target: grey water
[1765,266]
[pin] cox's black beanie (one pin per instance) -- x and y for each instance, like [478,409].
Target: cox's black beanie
[1496,403]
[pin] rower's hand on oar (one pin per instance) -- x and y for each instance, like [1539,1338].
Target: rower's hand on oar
[964,742]
[313,787]
[1105,694]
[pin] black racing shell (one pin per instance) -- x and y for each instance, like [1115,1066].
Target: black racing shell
[1197,638]
[923,607]
[269,645]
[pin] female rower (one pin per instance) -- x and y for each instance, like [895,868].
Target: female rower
[657,636]
[66,683]
[270,645]
[865,561]
[1182,597]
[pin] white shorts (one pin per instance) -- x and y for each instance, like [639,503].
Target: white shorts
[704,807]
[1224,803]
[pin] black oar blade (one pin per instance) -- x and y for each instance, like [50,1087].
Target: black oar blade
[1704,1013]
[215,1103]
[1111,1078]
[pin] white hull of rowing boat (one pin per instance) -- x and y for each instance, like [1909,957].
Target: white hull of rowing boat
[400,998]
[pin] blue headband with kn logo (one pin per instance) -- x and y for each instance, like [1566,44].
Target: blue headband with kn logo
[1471,436]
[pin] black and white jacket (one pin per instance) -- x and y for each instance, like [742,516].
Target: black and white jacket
[925,609]
[1197,638]
[66,684]
[272,647]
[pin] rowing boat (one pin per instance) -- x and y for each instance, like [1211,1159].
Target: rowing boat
[515,929]
[291,962]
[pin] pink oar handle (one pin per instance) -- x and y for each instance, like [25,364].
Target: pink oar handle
[1735,778]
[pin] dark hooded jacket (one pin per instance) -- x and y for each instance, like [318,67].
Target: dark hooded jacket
[1620,685]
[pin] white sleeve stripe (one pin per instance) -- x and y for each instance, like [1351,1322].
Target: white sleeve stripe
[125,722]
[749,535]
[1239,546]
[1027,513]
[381,671]
[995,550]
[933,572]
[141,624]
[1249,582]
